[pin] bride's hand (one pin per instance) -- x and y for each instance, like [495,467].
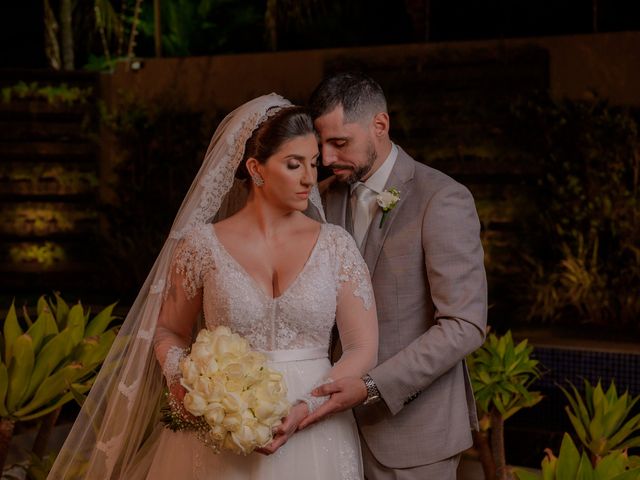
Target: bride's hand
[177,391]
[286,429]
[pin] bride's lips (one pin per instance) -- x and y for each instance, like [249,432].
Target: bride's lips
[303,194]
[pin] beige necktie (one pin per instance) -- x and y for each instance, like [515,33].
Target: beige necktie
[361,212]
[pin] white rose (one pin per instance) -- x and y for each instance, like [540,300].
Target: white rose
[222,330]
[218,390]
[264,410]
[194,403]
[204,336]
[386,199]
[232,422]
[263,434]
[245,439]
[235,386]
[221,347]
[214,414]
[254,365]
[233,402]
[211,368]
[233,345]
[189,371]
[230,444]
[218,433]
[235,371]
[210,389]
[202,354]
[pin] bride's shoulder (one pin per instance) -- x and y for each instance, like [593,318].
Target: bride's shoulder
[338,236]
[197,233]
[196,240]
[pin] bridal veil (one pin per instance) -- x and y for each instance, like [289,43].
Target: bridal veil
[122,406]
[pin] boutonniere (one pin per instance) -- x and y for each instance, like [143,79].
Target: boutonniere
[387,200]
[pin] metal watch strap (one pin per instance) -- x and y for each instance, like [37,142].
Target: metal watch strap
[373,394]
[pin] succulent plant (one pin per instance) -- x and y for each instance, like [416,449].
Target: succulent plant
[570,464]
[601,419]
[50,361]
[501,374]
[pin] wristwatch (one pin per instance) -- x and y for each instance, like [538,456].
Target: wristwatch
[373,394]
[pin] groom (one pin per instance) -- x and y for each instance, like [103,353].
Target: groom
[415,410]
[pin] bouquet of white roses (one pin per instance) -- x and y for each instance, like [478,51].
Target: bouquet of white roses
[235,398]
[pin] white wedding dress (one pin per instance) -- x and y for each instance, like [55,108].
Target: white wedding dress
[294,330]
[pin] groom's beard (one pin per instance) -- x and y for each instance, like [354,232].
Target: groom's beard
[361,171]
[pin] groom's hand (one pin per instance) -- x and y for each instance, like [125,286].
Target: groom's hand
[346,393]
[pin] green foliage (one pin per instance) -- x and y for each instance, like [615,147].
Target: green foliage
[501,374]
[51,360]
[46,255]
[42,219]
[583,247]
[571,465]
[160,148]
[601,419]
[204,27]
[39,468]
[54,95]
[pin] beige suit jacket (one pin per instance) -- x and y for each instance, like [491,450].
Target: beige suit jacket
[427,269]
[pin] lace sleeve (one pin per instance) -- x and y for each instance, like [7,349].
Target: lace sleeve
[356,315]
[192,258]
[182,302]
[351,267]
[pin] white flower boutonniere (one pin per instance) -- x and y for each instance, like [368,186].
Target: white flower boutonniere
[387,200]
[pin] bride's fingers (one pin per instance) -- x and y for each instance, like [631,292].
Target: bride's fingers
[274,445]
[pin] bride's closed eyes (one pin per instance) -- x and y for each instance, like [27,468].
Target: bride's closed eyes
[296,164]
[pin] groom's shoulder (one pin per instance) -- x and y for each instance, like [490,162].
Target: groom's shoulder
[431,179]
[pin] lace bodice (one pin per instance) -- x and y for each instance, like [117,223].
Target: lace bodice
[301,317]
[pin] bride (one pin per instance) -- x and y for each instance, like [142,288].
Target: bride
[242,254]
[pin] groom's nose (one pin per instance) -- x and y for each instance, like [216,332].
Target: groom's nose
[329,156]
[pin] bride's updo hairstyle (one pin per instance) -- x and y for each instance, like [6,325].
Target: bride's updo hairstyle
[287,124]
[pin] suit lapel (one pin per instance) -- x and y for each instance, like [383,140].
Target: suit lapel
[400,177]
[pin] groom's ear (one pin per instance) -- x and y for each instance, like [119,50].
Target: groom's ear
[380,124]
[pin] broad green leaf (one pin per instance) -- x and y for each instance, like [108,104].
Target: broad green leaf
[610,465]
[585,470]
[100,322]
[4,386]
[568,459]
[62,312]
[41,306]
[20,370]
[633,474]
[11,331]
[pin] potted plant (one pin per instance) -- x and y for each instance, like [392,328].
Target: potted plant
[501,374]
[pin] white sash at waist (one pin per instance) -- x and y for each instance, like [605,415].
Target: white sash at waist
[296,354]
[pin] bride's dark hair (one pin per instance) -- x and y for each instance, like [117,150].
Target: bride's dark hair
[287,124]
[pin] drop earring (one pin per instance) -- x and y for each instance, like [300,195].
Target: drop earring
[257,180]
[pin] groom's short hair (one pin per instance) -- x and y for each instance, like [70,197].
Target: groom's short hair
[361,97]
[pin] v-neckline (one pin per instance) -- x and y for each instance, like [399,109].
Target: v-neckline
[255,282]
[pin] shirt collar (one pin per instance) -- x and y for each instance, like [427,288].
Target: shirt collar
[378,180]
